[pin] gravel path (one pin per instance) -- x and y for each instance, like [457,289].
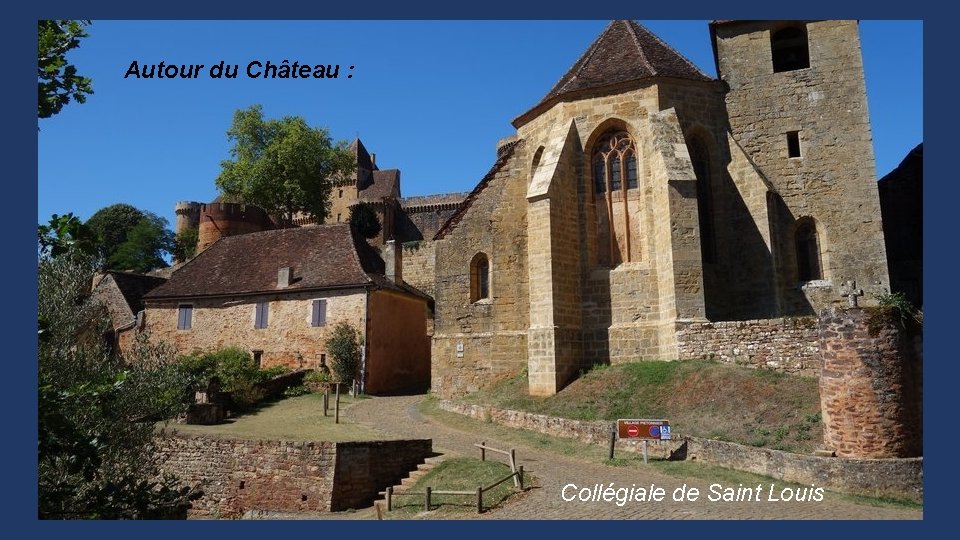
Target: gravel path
[398,416]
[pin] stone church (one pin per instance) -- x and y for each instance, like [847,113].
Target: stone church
[642,203]
[643,211]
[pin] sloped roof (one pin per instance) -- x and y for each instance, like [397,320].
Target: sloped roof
[385,183]
[363,157]
[504,154]
[322,257]
[625,51]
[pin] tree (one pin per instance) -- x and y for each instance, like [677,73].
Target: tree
[64,233]
[364,219]
[96,410]
[283,166]
[57,80]
[344,347]
[112,223]
[185,244]
[131,239]
[145,246]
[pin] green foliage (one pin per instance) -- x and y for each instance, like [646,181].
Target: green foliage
[908,316]
[272,372]
[131,239]
[57,80]
[295,391]
[63,234]
[363,218]
[343,345]
[283,166]
[185,244]
[144,249]
[111,223]
[234,368]
[95,454]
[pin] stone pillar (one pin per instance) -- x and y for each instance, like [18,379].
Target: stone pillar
[870,384]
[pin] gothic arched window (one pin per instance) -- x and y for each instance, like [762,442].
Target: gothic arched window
[615,163]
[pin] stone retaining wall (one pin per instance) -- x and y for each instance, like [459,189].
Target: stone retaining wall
[789,345]
[238,475]
[901,478]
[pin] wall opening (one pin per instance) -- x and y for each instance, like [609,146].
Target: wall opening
[793,144]
[790,49]
[479,278]
[615,180]
[809,266]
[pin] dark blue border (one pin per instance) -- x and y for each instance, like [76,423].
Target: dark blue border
[20,400]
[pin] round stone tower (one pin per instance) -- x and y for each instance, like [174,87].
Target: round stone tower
[219,220]
[188,215]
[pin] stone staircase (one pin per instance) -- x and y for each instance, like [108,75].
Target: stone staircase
[411,479]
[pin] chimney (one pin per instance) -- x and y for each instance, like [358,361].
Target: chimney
[393,257]
[373,160]
[284,277]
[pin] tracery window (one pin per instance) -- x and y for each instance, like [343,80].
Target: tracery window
[615,159]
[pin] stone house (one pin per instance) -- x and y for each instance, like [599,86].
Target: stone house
[641,201]
[122,294]
[278,294]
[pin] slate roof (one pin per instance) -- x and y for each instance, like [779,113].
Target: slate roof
[625,52]
[322,257]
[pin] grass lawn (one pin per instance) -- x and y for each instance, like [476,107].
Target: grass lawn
[757,407]
[457,474]
[600,453]
[292,419]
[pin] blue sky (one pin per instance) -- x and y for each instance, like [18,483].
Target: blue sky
[430,98]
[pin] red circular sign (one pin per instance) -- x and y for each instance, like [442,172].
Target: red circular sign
[633,431]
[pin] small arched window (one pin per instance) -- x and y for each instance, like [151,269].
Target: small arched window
[790,49]
[615,163]
[808,251]
[479,278]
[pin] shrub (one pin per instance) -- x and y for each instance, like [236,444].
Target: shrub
[295,391]
[273,372]
[343,345]
[317,381]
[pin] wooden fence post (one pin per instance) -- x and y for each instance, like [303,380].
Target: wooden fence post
[613,440]
[513,466]
[479,500]
[426,502]
[483,451]
[520,474]
[389,498]
[336,418]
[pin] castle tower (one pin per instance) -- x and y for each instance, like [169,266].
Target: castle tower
[797,105]
[188,216]
[221,219]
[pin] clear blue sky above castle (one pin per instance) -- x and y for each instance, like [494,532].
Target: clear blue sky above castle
[430,98]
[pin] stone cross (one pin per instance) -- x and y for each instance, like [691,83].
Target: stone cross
[851,293]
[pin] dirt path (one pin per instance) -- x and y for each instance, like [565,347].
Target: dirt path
[399,416]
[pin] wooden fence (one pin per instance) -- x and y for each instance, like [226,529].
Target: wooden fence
[516,475]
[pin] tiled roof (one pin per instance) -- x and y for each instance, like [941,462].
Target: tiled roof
[363,157]
[386,184]
[503,155]
[438,199]
[625,52]
[322,256]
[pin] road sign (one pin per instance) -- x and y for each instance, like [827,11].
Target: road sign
[643,429]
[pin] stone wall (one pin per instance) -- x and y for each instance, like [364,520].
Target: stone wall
[492,332]
[420,265]
[902,478]
[288,338]
[240,475]
[834,178]
[870,387]
[789,345]
[363,469]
